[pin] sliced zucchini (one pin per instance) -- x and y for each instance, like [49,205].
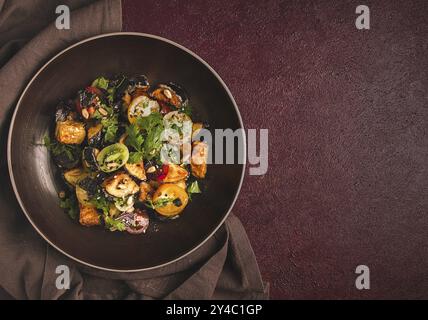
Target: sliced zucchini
[125,204]
[113,157]
[120,185]
[170,199]
[82,197]
[73,176]
[95,135]
[141,106]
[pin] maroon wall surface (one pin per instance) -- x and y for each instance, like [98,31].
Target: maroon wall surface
[347,115]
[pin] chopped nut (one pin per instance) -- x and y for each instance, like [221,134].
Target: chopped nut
[167,93]
[103,111]
[151,169]
[85,113]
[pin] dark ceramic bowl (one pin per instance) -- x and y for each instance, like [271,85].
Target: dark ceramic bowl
[35,179]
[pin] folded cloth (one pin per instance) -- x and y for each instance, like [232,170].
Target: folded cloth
[224,267]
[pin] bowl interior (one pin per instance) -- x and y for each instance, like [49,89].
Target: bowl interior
[37,183]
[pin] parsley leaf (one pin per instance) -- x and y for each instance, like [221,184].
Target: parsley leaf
[101,83]
[135,138]
[114,224]
[135,157]
[187,109]
[71,206]
[153,127]
[110,126]
[160,202]
[194,187]
[58,148]
[100,202]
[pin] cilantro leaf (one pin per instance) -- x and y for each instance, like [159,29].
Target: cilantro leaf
[135,157]
[101,83]
[135,138]
[114,224]
[71,206]
[57,148]
[187,109]
[194,187]
[110,127]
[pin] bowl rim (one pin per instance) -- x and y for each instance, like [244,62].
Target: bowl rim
[114,34]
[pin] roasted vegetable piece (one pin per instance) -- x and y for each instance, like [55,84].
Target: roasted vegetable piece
[178,128]
[125,204]
[146,191]
[198,162]
[95,135]
[141,106]
[89,216]
[82,197]
[196,128]
[181,184]
[64,111]
[140,222]
[136,170]
[175,173]
[73,176]
[170,199]
[89,156]
[120,185]
[171,94]
[136,222]
[90,185]
[68,159]
[113,157]
[70,132]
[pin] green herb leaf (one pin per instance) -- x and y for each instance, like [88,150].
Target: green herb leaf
[161,202]
[71,206]
[57,148]
[194,188]
[101,83]
[135,138]
[100,202]
[114,224]
[153,127]
[187,109]
[110,126]
[135,157]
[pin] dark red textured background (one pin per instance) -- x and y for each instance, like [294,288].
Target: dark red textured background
[347,115]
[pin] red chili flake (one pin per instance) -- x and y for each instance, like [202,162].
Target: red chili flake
[94,90]
[164,172]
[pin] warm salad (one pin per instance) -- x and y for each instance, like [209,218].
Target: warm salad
[128,152]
